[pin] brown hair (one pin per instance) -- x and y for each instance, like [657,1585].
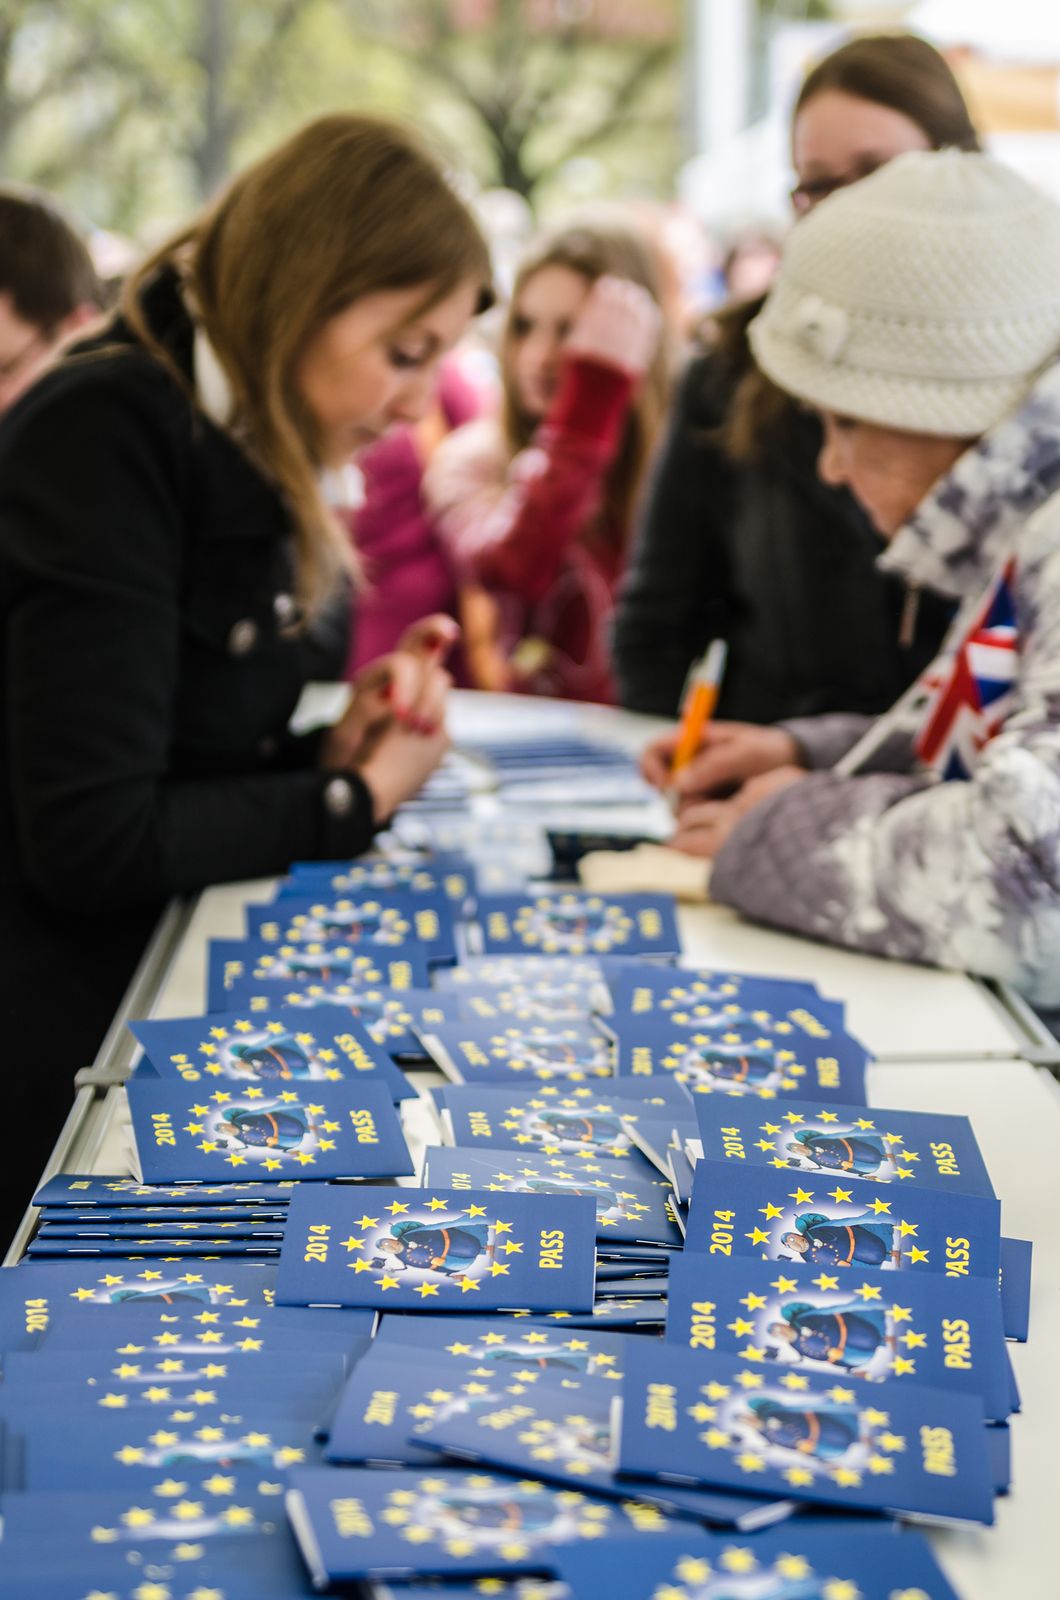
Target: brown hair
[44,264]
[350,206]
[594,249]
[896,70]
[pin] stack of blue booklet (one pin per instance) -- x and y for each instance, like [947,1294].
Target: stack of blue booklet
[636,1275]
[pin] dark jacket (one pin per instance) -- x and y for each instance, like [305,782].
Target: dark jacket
[148,671]
[769,558]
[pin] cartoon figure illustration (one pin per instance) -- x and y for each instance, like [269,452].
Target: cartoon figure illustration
[528,1355]
[507,1512]
[861,1153]
[845,1336]
[165,1294]
[354,922]
[599,1130]
[274,1056]
[606,1199]
[731,1065]
[564,1055]
[193,1452]
[276,1128]
[448,1248]
[868,1240]
[823,1432]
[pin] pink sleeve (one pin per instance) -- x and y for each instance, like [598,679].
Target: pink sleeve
[509,529]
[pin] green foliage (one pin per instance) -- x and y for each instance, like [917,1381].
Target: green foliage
[134,111]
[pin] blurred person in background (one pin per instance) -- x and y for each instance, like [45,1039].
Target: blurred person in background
[48,287]
[408,572]
[536,505]
[918,313]
[739,538]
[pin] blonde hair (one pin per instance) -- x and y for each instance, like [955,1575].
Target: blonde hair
[349,206]
[594,249]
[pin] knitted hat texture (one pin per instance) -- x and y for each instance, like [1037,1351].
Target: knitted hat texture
[926,297]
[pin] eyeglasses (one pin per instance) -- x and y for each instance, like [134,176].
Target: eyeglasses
[810,193]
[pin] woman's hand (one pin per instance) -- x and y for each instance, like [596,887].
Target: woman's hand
[619,323]
[400,764]
[408,686]
[703,826]
[730,754]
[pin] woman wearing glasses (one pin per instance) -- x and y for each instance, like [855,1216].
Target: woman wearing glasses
[740,539]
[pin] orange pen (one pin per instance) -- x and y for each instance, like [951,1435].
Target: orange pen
[701,696]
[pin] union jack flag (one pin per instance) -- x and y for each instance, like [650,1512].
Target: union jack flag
[972,699]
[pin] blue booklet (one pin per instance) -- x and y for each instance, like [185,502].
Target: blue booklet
[732,1063]
[501,972]
[173,1226]
[827,1222]
[935,1331]
[571,1438]
[279,969]
[211,1331]
[519,1052]
[435,1249]
[131,1248]
[725,998]
[1016,1287]
[573,923]
[121,1452]
[910,1149]
[452,875]
[353,1524]
[37,1288]
[320,1131]
[627,1207]
[278,1045]
[524,1000]
[490,1343]
[387,1015]
[714,1420]
[800,1560]
[567,1119]
[81,1191]
[634,1312]
[163,1219]
[390,922]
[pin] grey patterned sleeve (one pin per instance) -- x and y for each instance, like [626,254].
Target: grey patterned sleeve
[822,741]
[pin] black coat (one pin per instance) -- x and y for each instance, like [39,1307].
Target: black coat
[769,558]
[148,671]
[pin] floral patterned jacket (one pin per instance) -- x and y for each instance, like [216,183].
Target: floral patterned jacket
[890,860]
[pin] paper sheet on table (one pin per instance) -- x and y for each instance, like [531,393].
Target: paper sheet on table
[649,866]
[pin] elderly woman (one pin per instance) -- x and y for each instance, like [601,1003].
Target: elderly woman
[918,313]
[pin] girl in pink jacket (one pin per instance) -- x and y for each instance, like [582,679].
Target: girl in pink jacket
[535,505]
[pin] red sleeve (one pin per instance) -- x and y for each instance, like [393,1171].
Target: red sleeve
[558,484]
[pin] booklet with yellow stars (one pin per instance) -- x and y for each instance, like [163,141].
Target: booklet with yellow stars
[814,1220]
[866,1324]
[437,1249]
[195,1132]
[724,1058]
[391,920]
[799,1560]
[280,1046]
[567,922]
[908,1149]
[717,1421]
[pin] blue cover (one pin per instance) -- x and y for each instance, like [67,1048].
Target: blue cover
[570,1438]
[135,1249]
[556,1000]
[387,1015]
[320,1131]
[502,1342]
[281,969]
[911,1149]
[512,1052]
[716,1421]
[435,1249]
[829,1222]
[627,1207]
[502,971]
[1016,1286]
[571,922]
[946,1333]
[452,875]
[388,922]
[33,1289]
[732,1062]
[642,989]
[797,1561]
[208,1331]
[83,1190]
[353,1524]
[281,1045]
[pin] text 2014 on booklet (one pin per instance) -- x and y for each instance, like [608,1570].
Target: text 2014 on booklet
[438,1249]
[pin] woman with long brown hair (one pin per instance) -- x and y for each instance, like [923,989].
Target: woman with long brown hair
[740,539]
[536,506]
[166,548]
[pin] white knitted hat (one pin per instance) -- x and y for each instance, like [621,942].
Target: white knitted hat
[925,297]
